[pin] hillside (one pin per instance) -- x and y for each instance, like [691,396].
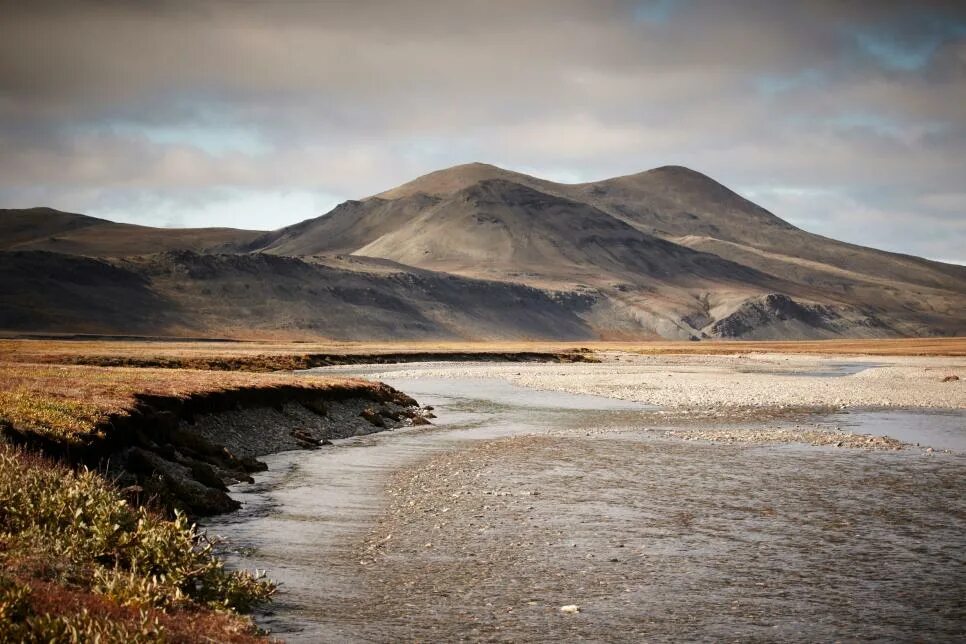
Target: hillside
[627,240]
[189,294]
[73,234]
[476,251]
[685,206]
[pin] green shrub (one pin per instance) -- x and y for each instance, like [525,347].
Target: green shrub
[74,530]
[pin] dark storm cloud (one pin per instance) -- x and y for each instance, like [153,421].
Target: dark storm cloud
[830,113]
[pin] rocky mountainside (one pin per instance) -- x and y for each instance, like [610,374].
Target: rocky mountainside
[480,252]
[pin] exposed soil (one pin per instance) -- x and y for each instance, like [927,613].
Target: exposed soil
[183,452]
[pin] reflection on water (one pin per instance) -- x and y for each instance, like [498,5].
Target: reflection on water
[939,429]
[826,370]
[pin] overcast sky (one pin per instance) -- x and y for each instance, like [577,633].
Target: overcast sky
[847,118]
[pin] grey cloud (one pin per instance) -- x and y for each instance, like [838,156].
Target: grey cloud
[350,98]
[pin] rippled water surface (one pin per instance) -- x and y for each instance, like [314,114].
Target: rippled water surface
[301,512]
[655,539]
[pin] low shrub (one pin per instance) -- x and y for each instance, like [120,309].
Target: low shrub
[71,532]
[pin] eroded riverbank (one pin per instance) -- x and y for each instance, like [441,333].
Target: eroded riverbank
[519,502]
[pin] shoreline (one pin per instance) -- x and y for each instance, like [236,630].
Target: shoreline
[176,440]
[728,386]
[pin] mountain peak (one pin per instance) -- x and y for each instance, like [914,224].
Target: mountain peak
[454,179]
[666,174]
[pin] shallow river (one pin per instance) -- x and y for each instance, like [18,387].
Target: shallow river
[734,542]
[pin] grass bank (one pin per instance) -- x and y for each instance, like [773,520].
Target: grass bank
[276,356]
[266,357]
[99,470]
[80,564]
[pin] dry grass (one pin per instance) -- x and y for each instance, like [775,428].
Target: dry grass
[240,356]
[69,402]
[75,560]
[265,356]
[896,347]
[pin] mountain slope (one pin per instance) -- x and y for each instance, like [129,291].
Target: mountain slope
[673,202]
[70,233]
[186,293]
[628,239]
[476,251]
[41,291]
[498,229]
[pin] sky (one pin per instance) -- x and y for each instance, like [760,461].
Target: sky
[846,118]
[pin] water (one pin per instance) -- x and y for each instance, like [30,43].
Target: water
[928,428]
[826,370]
[656,539]
[297,516]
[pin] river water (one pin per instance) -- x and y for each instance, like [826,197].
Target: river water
[728,542]
[301,512]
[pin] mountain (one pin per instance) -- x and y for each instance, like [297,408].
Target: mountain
[70,233]
[183,293]
[667,251]
[476,251]
[500,229]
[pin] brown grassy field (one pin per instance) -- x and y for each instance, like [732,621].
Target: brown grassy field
[268,356]
[103,589]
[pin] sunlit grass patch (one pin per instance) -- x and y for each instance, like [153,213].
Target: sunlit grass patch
[68,403]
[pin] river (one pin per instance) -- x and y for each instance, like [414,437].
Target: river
[536,500]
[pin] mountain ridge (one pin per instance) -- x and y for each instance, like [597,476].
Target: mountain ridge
[665,252]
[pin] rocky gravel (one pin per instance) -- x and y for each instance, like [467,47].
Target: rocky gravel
[780,436]
[265,430]
[713,384]
[738,511]
[625,537]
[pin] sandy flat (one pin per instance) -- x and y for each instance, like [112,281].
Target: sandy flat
[731,382]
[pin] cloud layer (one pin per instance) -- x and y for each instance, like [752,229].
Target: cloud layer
[844,118]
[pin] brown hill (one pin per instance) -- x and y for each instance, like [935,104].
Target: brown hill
[476,251]
[500,229]
[626,240]
[70,233]
[685,206]
[184,293]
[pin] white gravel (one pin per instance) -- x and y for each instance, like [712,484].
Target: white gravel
[708,382]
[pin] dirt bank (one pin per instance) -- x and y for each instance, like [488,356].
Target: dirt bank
[264,363]
[181,445]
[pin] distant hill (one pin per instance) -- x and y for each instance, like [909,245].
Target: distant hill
[73,234]
[476,251]
[183,293]
[627,240]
